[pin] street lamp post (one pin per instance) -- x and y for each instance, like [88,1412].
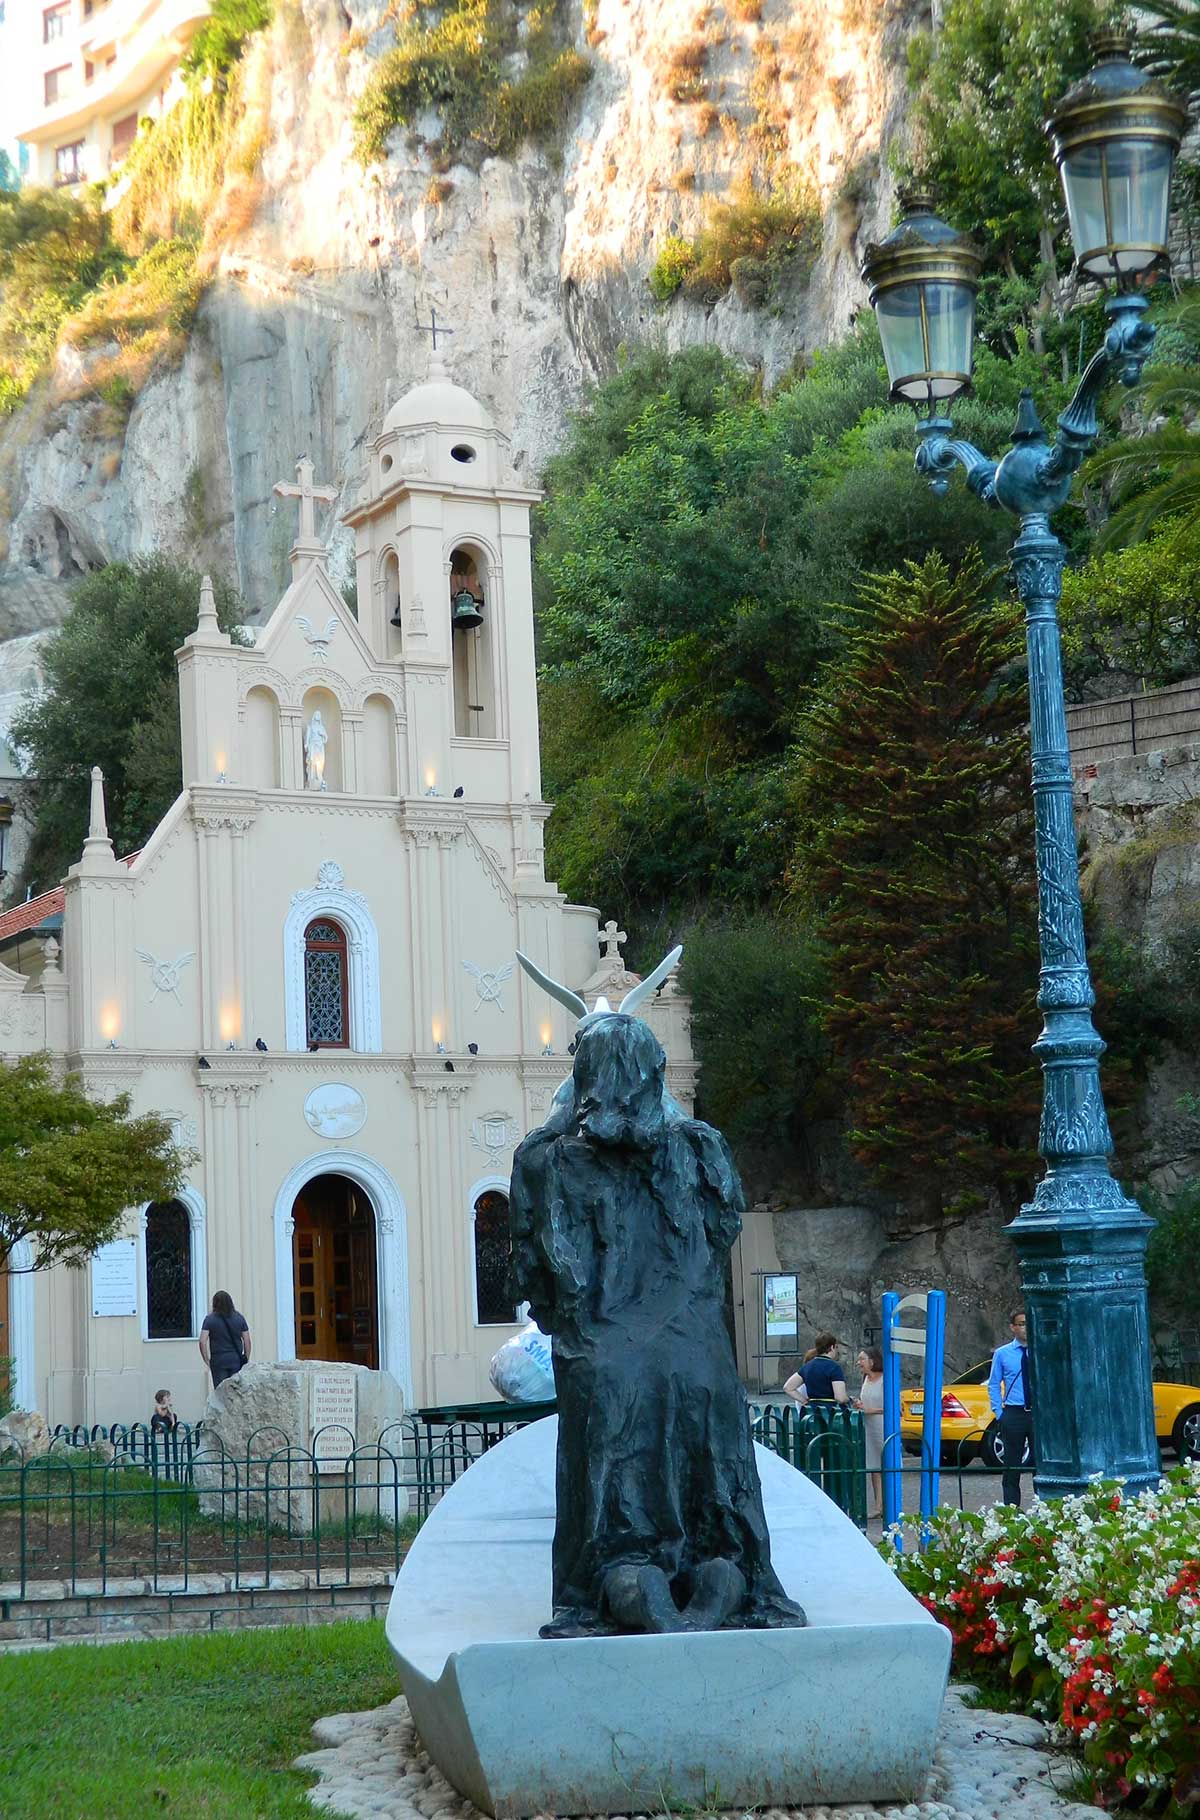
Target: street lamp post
[1080,1241]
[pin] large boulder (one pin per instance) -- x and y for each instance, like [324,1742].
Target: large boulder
[24,1432]
[303,1437]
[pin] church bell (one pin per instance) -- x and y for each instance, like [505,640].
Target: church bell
[466,612]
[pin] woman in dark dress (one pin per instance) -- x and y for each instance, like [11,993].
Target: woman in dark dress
[224,1339]
[623,1211]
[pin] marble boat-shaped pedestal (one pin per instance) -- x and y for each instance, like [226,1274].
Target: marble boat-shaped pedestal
[844,1710]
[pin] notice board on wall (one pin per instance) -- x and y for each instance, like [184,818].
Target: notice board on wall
[114,1278]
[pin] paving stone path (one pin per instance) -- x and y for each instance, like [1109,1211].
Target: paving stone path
[988,1766]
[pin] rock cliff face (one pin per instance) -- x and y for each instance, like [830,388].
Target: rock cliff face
[1139,818]
[538,264]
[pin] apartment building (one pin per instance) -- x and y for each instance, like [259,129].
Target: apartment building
[84,72]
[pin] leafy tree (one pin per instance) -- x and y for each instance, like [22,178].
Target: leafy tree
[654,815]
[111,699]
[984,85]
[1169,42]
[757,983]
[1173,1253]
[651,574]
[1132,616]
[1155,475]
[916,848]
[70,1166]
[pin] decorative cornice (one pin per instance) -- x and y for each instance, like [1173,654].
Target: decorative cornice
[371,508]
[108,1065]
[231,1068]
[212,808]
[429,1076]
[422,820]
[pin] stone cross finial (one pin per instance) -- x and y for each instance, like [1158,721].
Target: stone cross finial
[307,494]
[612,937]
[432,327]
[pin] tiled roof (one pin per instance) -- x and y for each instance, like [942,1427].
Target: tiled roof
[40,909]
[32,914]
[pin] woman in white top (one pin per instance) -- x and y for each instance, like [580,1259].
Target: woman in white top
[870,1401]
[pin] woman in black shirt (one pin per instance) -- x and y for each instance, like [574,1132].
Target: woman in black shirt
[224,1339]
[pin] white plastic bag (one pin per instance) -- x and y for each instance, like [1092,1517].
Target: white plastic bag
[521,1371]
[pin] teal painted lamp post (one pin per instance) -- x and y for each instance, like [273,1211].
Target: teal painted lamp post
[1080,1241]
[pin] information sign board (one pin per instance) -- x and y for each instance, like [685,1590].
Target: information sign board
[779,1312]
[114,1278]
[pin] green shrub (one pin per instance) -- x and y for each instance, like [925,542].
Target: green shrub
[1134,614]
[220,41]
[751,279]
[55,249]
[674,260]
[158,293]
[768,236]
[456,61]
[536,106]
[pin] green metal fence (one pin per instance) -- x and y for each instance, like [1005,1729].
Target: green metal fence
[826,1443]
[120,1504]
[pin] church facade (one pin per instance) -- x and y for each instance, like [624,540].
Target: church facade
[310,966]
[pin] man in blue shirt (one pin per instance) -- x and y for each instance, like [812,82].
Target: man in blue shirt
[1009,1395]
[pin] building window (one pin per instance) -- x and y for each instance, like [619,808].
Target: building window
[54,23]
[493,1246]
[326,998]
[168,1271]
[68,163]
[123,135]
[58,84]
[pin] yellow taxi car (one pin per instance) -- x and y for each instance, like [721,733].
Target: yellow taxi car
[969,1430]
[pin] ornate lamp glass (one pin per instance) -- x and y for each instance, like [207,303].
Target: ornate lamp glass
[922,281]
[1115,135]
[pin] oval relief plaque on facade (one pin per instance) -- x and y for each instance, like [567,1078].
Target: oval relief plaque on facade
[334,1110]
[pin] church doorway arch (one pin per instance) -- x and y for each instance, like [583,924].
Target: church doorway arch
[335,1272]
[391,1246]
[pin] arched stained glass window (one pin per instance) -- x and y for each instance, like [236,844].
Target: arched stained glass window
[325,995]
[493,1246]
[168,1271]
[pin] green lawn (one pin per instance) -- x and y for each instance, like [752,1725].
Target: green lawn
[198,1727]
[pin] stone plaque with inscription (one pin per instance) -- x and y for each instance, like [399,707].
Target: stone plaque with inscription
[334,1413]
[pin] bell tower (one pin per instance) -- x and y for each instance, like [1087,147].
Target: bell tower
[445,591]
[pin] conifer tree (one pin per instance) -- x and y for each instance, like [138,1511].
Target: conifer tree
[917,852]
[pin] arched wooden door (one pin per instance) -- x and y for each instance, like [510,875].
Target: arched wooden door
[335,1272]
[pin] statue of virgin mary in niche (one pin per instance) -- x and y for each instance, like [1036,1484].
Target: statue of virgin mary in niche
[315,739]
[623,1212]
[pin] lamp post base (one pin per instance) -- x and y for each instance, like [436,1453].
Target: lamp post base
[1085,1298]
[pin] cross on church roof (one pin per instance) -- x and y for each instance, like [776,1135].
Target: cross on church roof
[307,494]
[612,939]
[432,327]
